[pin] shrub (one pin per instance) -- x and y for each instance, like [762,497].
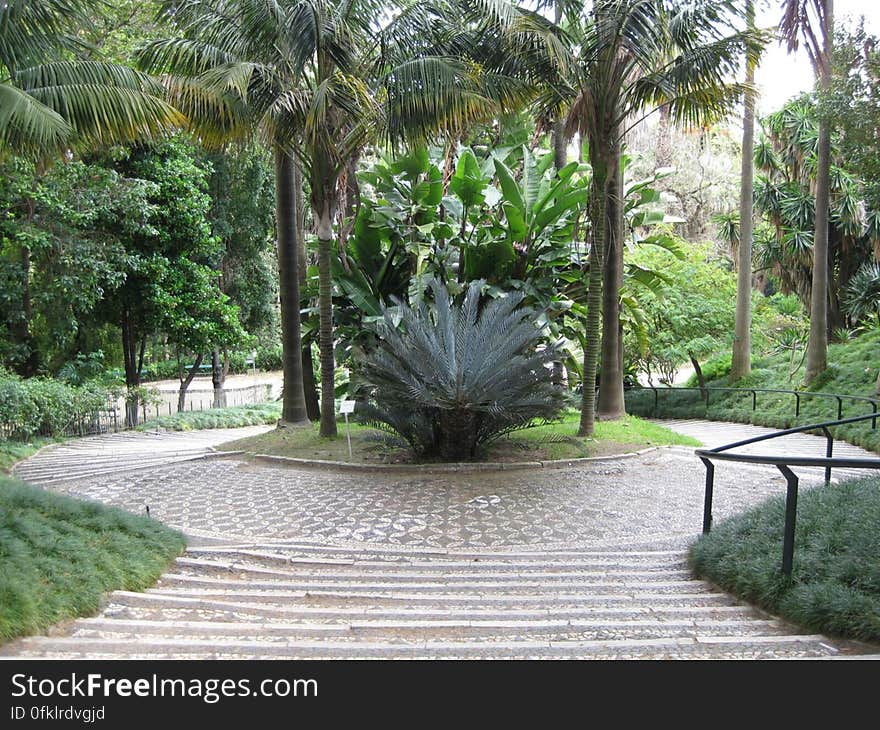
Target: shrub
[270,357]
[454,376]
[46,407]
[835,586]
[715,368]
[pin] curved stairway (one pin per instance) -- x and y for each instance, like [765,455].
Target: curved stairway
[311,601]
[96,456]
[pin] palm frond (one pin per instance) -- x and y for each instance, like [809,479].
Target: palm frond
[27,126]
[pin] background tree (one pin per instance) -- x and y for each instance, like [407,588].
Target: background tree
[742,339]
[176,235]
[52,96]
[812,22]
[242,200]
[69,218]
[633,57]
[785,156]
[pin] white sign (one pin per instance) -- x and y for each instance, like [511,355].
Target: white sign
[347,406]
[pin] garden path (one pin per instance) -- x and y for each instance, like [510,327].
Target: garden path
[581,561]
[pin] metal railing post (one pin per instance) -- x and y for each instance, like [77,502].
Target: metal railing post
[874,411]
[839,407]
[707,502]
[791,495]
[754,400]
[657,395]
[797,404]
[829,451]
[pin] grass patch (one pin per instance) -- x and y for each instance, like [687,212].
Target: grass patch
[835,584]
[14,451]
[852,370]
[251,415]
[556,440]
[61,555]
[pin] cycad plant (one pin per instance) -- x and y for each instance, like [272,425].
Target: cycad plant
[452,376]
[862,296]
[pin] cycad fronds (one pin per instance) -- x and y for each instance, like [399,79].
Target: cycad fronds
[862,297]
[452,376]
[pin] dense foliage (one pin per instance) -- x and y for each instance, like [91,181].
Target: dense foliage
[43,406]
[852,370]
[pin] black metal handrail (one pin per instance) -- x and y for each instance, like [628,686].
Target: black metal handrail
[798,394]
[784,464]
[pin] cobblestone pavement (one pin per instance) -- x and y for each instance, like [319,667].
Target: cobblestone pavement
[714,433]
[658,494]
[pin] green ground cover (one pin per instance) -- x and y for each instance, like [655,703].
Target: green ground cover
[60,555]
[852,370]
[835,584]
[555,440]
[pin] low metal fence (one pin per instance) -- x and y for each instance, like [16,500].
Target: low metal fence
[798,396]
[784,463]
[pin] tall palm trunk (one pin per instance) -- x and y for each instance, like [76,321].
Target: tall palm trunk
[325,310]
[663,156]
[817,347]
[594,295]
[611,404]
[742,338]
[560,145]
[310,389]
[293,410]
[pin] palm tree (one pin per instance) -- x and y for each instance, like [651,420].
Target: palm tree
[53,98]
[634,57]
[812,21]
[786,157]
[741,363]
[319,79]
[235,72]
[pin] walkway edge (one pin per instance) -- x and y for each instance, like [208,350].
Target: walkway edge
[459,467]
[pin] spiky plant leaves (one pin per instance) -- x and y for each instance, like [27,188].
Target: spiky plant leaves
[862,296]
[454,375]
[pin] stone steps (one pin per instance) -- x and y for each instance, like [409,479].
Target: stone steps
[443,585]
[226,598]
[95,456]
[295,602]
[492,630]
[362,572]
[223,612]
[709,646]
[533,562]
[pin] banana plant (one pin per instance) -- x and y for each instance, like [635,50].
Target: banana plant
[537,205]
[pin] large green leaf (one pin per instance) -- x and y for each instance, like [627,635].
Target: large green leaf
[516,224]
[356,287]
[468,182]
[510,188]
